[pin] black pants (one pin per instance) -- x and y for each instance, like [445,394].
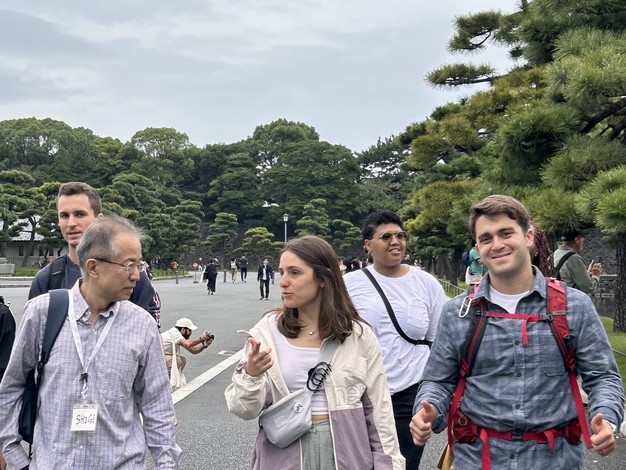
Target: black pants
[211,283]
[403,402]
[244,273]
[265,283]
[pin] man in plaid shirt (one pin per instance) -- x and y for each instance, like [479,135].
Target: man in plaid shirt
[519,386]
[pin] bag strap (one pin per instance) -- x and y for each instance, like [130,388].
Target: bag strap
[57,311]
[564,258]
[318,374]
[328,349]
[392,315]
[557,308]
[57,272]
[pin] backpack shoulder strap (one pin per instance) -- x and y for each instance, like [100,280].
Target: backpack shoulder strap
[57,311]
[557,311]
[564,258]
[469,349]
[57,272]
[556,294]
[391,313]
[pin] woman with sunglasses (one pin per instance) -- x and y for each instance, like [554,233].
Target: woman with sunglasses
[406,327]
[351,413]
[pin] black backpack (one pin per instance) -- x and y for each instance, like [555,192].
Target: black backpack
[57,311]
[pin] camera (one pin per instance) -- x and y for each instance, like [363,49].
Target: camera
[210,335]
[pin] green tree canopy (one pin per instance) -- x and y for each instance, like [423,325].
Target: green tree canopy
[315,220]
[257,244]
[19,200]
[222,233]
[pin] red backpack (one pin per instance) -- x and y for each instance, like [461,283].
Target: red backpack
[460,426]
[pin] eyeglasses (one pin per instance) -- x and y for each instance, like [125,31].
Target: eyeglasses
[387,236]
[130,266]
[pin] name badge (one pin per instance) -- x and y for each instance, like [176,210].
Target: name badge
[84,417]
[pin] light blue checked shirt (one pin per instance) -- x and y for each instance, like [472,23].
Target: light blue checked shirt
[127,379]
[522,388]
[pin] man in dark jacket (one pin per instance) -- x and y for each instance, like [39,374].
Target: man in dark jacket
[78,205]
[243,267]
[210,274]
[264,275]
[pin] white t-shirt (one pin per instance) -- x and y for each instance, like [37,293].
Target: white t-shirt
[507,301]
[295,363]
[173,334]
[416,299]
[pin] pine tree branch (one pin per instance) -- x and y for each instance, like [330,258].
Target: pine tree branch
[617,129]
[608,111]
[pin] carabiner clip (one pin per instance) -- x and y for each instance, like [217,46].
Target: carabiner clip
[464,309]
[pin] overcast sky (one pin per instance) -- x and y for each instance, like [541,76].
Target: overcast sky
[215,69]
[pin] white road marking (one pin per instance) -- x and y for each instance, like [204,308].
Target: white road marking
[195,384]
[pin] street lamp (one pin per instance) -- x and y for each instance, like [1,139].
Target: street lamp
[285,219]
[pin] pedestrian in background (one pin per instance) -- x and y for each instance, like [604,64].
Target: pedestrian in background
[285,345]
[570,266]
[210,274]
[180,335]
[243,268]
[233,269]
[265,274]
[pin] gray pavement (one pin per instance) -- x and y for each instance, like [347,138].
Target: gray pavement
[209,436]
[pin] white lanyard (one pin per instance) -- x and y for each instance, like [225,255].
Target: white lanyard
[79,345]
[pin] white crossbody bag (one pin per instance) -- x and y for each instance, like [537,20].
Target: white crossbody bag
[290,417]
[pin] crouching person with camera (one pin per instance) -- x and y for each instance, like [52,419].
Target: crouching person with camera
[180,335]
[312,373]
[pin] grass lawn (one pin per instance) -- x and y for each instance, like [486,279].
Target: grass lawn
[24,272]
[618,342]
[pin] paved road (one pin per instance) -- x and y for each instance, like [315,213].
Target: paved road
[209,436]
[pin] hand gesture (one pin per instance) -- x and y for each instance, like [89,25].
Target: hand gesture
[421,425]
[595,269]
[258,360]
[602,437]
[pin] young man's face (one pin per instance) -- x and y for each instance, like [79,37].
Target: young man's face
[503,245]
[75,215]
[386,247]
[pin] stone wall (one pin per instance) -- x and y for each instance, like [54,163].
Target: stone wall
[6,269]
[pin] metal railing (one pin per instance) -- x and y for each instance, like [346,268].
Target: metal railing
[450,289]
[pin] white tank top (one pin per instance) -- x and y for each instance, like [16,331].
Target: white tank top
[295,363]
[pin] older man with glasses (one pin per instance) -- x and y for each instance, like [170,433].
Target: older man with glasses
[101,403]
[402,303]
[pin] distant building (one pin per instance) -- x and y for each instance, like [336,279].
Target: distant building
[18,246]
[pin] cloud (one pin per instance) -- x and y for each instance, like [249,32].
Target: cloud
[216,69]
